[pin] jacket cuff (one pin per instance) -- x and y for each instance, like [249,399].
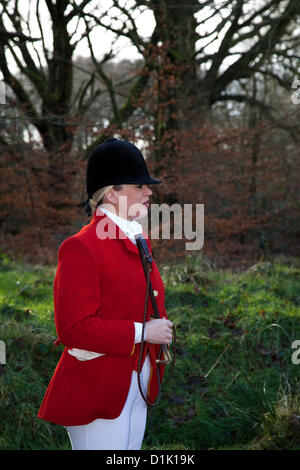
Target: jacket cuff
[138,332]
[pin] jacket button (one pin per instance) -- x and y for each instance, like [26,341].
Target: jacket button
[155,293]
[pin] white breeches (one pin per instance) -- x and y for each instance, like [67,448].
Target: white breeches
[123,433]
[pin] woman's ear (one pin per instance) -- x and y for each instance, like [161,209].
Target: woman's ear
[110,196]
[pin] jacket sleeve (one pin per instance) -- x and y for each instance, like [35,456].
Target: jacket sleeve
[77,297]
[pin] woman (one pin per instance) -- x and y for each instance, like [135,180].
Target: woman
[99,295]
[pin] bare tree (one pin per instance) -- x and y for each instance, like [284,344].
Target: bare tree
[48,71]
[202,48]
[196,51]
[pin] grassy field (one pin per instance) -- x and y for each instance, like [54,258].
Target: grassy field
[234,384]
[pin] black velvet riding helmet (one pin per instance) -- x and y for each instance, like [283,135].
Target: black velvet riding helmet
[116,162]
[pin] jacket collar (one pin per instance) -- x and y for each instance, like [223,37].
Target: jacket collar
[130,227]
[120,234]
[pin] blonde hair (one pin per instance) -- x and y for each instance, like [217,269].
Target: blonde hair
[97,196]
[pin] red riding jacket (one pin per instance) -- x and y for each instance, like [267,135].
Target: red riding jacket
[99,292]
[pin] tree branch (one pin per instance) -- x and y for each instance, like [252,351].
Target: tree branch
[15,34]
[224,47]
[263,47]
[245,99]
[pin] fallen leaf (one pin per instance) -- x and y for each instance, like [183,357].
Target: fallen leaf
[262,350]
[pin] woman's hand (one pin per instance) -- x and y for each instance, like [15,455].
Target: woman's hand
[158,331]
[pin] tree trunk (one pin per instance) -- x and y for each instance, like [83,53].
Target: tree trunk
[176,76]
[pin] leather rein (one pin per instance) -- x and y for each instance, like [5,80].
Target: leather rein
[147,260]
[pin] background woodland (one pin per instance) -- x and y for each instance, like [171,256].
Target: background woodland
[211,99]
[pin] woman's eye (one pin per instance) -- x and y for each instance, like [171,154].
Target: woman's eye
[140,186]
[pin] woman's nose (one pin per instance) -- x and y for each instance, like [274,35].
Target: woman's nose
[148,190]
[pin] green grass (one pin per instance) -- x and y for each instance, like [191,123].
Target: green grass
[234,385]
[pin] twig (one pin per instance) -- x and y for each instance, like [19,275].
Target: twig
[214,365]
